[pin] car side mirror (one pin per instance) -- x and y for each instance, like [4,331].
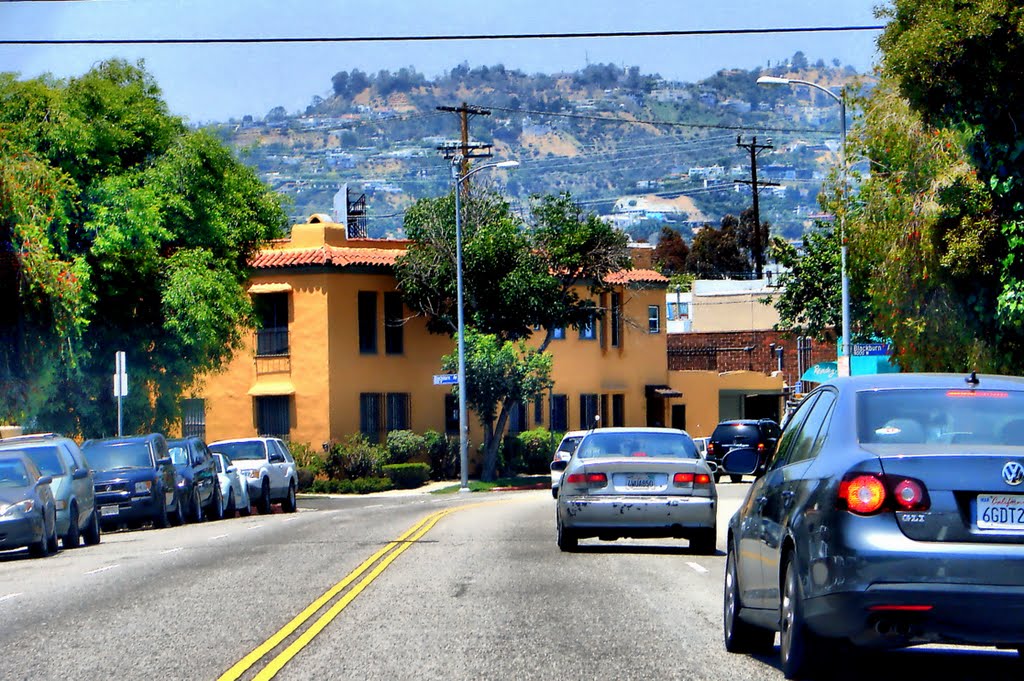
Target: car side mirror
[276,458]
[44,480]
[231,469]
[741,461]
[559,465]
[166,461]
[80,474]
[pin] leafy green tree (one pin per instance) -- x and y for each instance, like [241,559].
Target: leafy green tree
[124,231]
[716,253]
[809,302]
[671,252]
[499,375]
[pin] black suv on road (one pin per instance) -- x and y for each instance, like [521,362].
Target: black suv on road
[760,435]
[197,478]
[135,481]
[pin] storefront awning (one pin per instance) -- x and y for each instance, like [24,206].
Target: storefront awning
[661,391]
[270,288]
[272,388]
[821,372]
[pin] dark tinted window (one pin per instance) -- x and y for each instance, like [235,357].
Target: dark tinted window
[808,442]
[639,444]
[941,417]
[569,444]
[787,441]
[242,451]
[736,433]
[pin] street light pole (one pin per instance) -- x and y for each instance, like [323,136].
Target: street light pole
[463,421]
[844,348]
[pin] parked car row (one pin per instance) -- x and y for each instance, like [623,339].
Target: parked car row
[56,494]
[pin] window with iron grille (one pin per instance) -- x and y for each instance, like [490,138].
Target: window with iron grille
[588,331]
[560,413]
[394,324]
[368,322]
[273,416]
[616,323]
[397,411]
[271,312]
[193,418]
[371,423]
[588,410]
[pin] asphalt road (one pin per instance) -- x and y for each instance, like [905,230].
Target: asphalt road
[478,592]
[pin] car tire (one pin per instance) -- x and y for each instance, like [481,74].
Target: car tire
[245,510]
[800,649]
[54,537]
[163,518]
[230,510]
[736,478]
[740,636]
[179,517]
[290,504]
[92,534]
[41,548]
[567,539]
[263,503]
[73,538]
[195,511]
[216,511]
[554,492]
[704,542]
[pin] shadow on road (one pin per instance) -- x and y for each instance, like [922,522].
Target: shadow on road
[648,549]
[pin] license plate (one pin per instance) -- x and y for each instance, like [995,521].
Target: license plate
[1001,512]
[640,481]
[109,510]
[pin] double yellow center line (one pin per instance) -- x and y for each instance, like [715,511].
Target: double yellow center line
[389,553]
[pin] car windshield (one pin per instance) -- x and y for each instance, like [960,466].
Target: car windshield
[179,455]
[653,444]
[46,459]
[941,417]
[737,433]
[242,451]
[570,444]
[112,456]
[13,473]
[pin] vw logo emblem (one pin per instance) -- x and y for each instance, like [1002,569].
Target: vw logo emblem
[1013,473]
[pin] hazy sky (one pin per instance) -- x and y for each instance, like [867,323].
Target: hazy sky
[215,82]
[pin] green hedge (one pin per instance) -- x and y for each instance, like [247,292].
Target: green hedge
[407,475]
[357,486]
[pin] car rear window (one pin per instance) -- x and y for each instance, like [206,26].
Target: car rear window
[569,444]
[736,433]
[13,473]
[604,445]
[241,451]
[179,455]
[941,417]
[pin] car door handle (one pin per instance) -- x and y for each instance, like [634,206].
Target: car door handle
[787,498]
[761,501]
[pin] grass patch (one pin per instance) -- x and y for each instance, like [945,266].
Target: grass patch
[480,486]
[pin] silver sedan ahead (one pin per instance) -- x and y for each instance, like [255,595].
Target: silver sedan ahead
[637,482]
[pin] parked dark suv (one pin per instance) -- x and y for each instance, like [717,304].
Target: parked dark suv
[135,481]
[760,435]
[197,478]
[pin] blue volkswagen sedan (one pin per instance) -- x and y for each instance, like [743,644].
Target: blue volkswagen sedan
[891,514]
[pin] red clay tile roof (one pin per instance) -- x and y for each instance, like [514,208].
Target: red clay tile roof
[636,277]
[325,255]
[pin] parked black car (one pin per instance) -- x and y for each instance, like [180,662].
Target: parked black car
[197,478]
[761,435]
[890,515]
[135,481]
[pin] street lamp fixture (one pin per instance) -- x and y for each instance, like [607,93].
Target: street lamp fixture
[844,348]
[457,180]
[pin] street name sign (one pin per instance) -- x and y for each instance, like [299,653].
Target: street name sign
[446,379]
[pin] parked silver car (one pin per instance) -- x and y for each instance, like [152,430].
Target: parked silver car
[637,482]
[562,455]
[234,492]
[268,468]
[72,485]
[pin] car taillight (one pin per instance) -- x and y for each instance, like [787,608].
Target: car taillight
[702,479]
[680,479]
[867,493]
[760,448]
[711,448]
[593,479]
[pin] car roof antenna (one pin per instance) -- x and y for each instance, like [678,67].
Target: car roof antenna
[973,378]
[597,420]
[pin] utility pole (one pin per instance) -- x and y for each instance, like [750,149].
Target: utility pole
[466,150]
[754,149]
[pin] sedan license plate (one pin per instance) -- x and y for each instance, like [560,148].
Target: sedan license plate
[109,510]
[640,481]
[1001,512]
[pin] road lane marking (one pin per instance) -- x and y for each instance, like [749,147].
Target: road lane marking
[174,550]
[255,527]
[8,597]
[288,520]
[219,536]
[103,569]
[374,506]
[252,658]
[699,568]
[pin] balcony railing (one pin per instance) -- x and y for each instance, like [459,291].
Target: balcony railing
[272,342]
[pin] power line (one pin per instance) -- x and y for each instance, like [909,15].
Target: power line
[440,38]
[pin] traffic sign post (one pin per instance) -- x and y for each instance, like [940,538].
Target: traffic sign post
[120,383]
[446,379]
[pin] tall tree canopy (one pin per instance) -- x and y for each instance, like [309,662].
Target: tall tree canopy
[120,229]
[671,252]
[517,278]
[717,253]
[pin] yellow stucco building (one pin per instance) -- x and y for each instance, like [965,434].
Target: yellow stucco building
[337,353]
